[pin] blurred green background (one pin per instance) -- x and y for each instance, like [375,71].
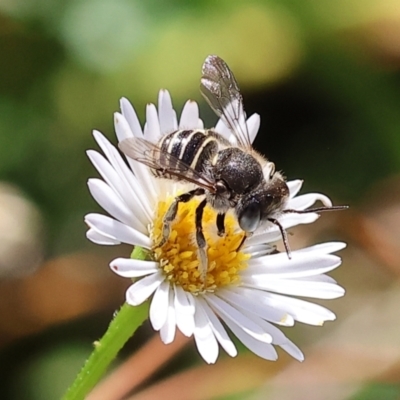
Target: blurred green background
[324,76]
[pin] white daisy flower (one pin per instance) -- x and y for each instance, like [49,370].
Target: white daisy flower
[250,291]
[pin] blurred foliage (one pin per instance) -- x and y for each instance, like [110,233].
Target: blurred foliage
[379,391]
[324,76]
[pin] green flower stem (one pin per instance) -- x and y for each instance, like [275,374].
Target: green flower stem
[121,328]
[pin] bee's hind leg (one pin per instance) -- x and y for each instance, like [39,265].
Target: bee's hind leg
[173,210]
[201,241]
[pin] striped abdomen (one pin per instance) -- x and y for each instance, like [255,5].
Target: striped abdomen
[195,148]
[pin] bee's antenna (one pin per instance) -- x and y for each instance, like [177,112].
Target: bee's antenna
[317,209]
[284,236]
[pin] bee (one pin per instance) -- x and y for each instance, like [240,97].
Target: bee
[228,174]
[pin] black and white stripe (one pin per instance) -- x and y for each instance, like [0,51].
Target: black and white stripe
[192,147]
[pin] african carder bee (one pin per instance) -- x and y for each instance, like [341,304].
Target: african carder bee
[229,174]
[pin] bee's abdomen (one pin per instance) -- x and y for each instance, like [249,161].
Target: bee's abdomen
[193,147]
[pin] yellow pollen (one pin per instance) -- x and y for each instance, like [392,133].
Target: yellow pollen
[178,257]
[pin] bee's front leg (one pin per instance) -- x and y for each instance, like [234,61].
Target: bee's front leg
[221,224]
[173,210]
[245,236]
[284,236]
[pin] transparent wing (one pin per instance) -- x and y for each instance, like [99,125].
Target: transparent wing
[162,163]
[220,89]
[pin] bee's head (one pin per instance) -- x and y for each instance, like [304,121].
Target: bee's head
[264,202]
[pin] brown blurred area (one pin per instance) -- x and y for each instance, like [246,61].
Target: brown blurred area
[37,294]
[63,289]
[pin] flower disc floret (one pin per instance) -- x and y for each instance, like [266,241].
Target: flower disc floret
[178,257]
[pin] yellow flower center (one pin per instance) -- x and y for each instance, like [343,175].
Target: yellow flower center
[178,257]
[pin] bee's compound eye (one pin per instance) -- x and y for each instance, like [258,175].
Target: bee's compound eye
[249,218]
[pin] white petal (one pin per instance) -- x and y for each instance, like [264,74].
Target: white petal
[189,116]
[253,125]
[120,185]
[113,204]
[238,300]
[223,130]
[227,312]
[166,113]
[141,171]
[306,200]
[272,233]
[98,238]
[159,306]
[146,180]
[263,299]
[115,230]
[325,248]
[206,342]
[200,124]
[168,330]
[131,117]
[184,310]
[293,350]
[318,290]
[318,278]
[289,220]
[294,187]
[122,128]
[152,130]
[278,336]
[258,250]
[269,236]
[262,349]
[300,310]
[218,329]
[300,265]
[280,339]
[133,183]
[131,268]
[144,288]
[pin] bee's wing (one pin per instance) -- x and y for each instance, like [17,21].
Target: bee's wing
[163,163]
[220,89]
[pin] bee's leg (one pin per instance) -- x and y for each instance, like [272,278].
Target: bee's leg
[284,236]
[245,236]
[172,211]
[221,224]
[201,241]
